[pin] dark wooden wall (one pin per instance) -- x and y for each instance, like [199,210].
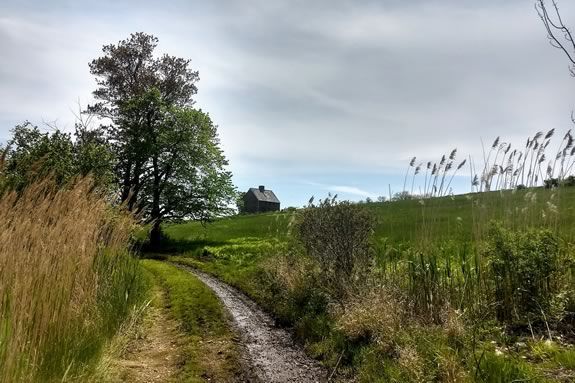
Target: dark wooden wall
[252,205]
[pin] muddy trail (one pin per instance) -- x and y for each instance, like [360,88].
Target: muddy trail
[270,351]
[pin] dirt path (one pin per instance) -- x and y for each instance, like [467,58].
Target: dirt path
[271,351]
[156,354]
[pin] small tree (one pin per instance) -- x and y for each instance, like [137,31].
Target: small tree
[337,235]
[402,196]
[524,266]
[32,154]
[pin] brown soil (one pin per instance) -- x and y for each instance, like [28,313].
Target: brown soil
[156,354]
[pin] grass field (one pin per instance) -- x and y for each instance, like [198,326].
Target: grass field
[439,256]
[403,221]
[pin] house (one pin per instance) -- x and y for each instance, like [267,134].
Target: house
[258,200]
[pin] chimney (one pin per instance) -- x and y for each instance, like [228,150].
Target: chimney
[262,188]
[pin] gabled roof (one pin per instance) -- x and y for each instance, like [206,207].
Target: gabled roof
[266,195]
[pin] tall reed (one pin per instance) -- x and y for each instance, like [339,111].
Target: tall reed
[66,280]
[504,167]
[444,266]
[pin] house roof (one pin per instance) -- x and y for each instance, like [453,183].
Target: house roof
[266,195]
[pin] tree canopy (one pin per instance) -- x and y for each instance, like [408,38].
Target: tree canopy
[169,164]
[32,154]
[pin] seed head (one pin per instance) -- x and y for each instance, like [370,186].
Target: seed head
[495,143]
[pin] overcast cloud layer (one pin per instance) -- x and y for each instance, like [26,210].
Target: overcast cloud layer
[340,94]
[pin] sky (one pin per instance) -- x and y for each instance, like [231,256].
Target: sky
[311,97]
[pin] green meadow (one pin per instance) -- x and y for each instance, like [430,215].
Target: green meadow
[459,288]
[451,217]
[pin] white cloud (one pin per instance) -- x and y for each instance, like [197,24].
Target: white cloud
[317,87]
[342,189]
[351,190]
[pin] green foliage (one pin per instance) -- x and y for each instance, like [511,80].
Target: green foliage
[402,196]
[191,302]
[121,288]
[432,310]
[180,145]
[240,203]
[569,181]
[33,155]
[524,264]
[494,368]
[94,156]
[169,162]
[238,263]
[241,228]
[337,235]
[454,218]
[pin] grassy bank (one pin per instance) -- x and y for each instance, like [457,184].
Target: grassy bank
[67,281]
[466,288]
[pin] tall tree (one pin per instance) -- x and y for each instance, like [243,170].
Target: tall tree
[170,165]
[125,72]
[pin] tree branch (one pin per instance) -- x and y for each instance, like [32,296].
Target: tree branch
[553,27]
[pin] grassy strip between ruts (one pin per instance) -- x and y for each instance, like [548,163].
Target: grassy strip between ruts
[211,354]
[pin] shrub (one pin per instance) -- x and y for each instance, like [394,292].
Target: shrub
[523,264]
[292,285]
[337,236]
[551,183]
[569,181]
[402,196]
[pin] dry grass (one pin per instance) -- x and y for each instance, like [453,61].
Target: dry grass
[377,314]
[132,329]
[55,299]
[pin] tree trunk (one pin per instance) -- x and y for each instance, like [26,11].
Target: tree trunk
[155,213]
[126,181]
[135,187]
[156,235]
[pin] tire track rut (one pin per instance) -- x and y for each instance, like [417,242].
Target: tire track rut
[271,351]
